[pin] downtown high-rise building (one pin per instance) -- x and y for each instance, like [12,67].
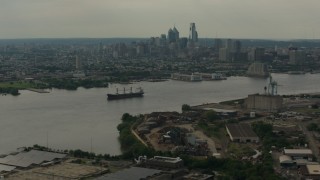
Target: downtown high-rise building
[173,35]
[193,34]
[78,63]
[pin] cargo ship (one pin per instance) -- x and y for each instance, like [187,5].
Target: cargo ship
[124,95]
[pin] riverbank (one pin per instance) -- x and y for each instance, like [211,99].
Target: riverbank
[68,115]
[37,90]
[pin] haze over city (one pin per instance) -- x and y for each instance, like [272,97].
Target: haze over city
[272,19]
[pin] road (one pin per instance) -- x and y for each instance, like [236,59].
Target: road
[313,143]
[139,138]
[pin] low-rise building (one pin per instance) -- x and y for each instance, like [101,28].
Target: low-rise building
[310,171]
[262,102]
[134,173]
[164,162]
[299,153]
[241,133]
[198,176]
[285,160]
[185,77]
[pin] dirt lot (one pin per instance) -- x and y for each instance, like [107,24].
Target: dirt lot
[154,135]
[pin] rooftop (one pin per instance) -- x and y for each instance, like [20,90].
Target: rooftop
[241,130]
[25,159]
[285,159]
[61,171]
[313,169]
[298,151]
[166,159]
[133,173]
[6,168]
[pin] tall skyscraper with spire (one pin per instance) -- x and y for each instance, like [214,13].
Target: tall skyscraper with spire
[193,34]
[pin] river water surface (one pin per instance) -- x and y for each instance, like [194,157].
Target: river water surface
[84,119]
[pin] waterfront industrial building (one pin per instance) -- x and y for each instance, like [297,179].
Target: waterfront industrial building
[33,157]
[5,168]
[211,76]
[164,162]
[158,167]
[264,102]
[270,101]
[186,77]
[258,70]
[241,133]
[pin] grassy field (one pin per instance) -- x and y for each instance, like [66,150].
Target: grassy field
[307,110]
[212,130]
[240,150]
[17,84]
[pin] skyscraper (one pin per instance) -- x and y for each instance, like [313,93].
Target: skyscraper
[173,35]
[193,34]
[218,44]
[176,33]
[78,63]
[296,57]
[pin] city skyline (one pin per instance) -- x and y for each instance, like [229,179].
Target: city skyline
[290,19]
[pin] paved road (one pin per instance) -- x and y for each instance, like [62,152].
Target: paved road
[313,143]
[139,138]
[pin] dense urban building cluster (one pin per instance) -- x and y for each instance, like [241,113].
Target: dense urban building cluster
[155,57]
[264,134]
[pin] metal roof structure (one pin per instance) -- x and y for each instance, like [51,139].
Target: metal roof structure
[313,169]
[5,168]
[133,173]
[284,159]
[297,151]
[241,130]
[167,159]
[25,159]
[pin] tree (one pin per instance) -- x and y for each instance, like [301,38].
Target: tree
[186,107]
[211,115]
[262,129]
[312,127]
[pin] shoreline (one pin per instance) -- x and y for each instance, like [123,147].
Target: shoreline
[37,90]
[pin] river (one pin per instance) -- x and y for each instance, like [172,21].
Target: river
[84,119]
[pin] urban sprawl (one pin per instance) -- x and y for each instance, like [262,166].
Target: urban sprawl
[262,136]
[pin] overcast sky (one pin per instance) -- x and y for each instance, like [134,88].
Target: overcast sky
[271,19]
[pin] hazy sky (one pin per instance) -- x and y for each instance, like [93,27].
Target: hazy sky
[284,19]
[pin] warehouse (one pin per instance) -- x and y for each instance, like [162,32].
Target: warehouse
[164,162]
[241,133]
[133,173]
[286,161]
[299,153]
[5,168]
[33,157]
[261,102]
[310,171]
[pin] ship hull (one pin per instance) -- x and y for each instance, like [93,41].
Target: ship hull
[124,96]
